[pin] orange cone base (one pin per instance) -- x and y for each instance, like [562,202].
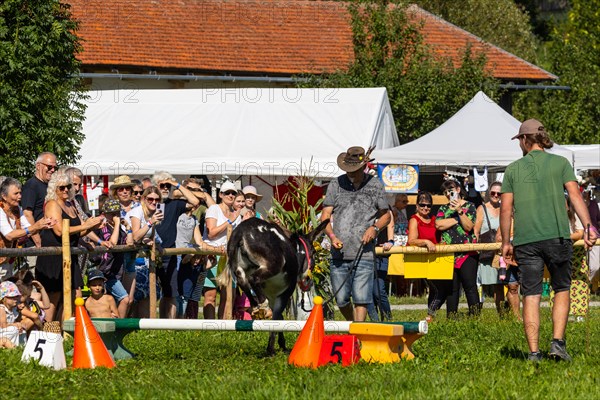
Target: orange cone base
[89,350]
[307,349]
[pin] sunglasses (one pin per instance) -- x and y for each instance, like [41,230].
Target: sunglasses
[152,199]
[49,166]
[123,189]
[423,205]
[63,187]
[495,193]
[193,189]
[230,193]
[138,192]
[165,186]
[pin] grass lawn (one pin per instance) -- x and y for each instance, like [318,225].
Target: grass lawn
[466,359]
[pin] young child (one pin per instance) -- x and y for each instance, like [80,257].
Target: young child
[9,328]
[99,304]
[33,305]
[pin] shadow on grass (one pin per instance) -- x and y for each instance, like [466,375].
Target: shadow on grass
[513,352]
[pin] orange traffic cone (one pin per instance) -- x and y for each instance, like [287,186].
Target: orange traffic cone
[307,349]
[89,349]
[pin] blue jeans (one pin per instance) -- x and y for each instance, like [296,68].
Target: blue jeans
[115,288]
[380,297]
[359,285]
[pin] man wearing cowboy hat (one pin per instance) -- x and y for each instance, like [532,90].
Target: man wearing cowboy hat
[359,208]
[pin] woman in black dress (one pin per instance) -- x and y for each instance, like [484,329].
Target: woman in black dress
[59,205]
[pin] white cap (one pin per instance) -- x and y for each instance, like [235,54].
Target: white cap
[228,186]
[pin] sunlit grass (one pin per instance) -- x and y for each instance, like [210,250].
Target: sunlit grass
[469,358]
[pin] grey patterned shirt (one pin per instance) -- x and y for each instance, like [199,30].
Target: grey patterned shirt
[354,210]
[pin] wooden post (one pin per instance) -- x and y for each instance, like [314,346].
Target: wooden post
[152,279]
[66,254]
[228,311]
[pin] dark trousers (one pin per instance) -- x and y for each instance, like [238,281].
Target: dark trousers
[466,276]
[439,291]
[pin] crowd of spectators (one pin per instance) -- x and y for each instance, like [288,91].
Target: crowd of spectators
[160,210]
[157,209]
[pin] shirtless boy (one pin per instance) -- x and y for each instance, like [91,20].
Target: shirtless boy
[99,304]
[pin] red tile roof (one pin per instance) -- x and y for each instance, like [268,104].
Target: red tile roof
[250,37]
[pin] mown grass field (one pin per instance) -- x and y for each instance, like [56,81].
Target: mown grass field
[466,359]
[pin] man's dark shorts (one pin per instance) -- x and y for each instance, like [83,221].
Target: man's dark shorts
[555,254]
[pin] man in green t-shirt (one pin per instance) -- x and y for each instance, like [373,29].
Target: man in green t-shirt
[533,189]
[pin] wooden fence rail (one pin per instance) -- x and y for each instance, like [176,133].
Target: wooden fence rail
[156,253]
[144,251]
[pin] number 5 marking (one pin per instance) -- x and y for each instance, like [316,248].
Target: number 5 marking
[335,352]
[38,349]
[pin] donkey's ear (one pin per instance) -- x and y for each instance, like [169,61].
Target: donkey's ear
[319,230]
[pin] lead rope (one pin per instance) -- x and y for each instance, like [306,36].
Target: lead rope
[354,265]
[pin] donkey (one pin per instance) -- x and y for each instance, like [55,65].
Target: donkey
[268,262]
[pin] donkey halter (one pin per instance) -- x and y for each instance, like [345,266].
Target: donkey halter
[302,283]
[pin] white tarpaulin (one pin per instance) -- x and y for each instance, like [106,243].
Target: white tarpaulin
[479,134]
[241,131]
[587,156]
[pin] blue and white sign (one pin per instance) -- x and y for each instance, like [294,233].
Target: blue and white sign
[399,178]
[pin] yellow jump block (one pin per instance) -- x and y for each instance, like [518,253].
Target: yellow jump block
[380,343]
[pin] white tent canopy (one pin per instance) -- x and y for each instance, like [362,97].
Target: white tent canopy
[587,156]
[479,134]
[241,131]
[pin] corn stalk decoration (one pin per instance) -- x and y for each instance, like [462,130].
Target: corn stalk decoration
[302,218]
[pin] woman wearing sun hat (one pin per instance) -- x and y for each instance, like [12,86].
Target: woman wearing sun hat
[252,197]
[122,190]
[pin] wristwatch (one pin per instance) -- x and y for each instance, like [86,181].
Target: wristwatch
[376,228]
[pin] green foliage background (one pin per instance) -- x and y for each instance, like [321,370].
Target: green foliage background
[390,52]
[40,108]
[573,53]
[499,22]
[425,91]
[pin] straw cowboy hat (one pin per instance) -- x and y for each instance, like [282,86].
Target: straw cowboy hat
[354,159]
[122,181]
[252,190]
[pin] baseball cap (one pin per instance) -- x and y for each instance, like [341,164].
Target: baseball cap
[226,186]
[95,274]
[529,127]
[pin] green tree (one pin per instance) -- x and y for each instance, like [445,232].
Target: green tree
[40,108]
[574,55]
[500,22]
[424,90]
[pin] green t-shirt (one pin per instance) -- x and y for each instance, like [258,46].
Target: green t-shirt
[537,184]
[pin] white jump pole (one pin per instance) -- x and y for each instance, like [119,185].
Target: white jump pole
[233,325]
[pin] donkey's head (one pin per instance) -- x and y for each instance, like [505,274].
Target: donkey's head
[305,251]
